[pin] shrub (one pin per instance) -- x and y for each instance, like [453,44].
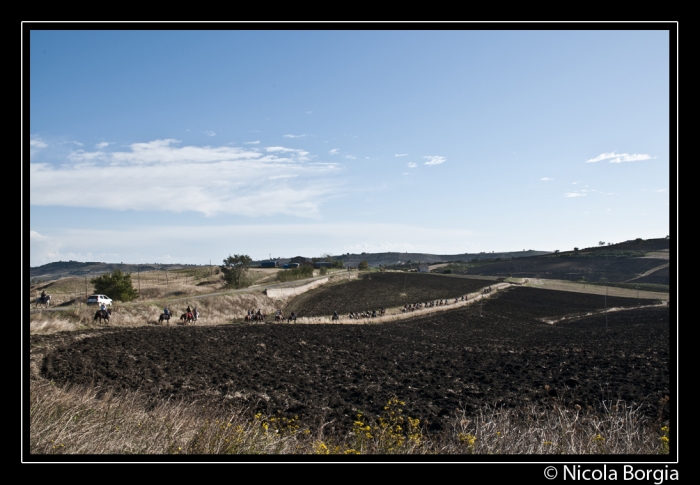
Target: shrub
[116,285]
[295,273]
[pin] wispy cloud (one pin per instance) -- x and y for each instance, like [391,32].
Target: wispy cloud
[159,175]
[434,160]
[334,151]
[412,164]
[546,178]
[619,157]
[210,133]
[575,194]
[296,136]
[308,112]
[256,142]
[350,157]
[406,173]
[401,155]
[36,144]
[101,145]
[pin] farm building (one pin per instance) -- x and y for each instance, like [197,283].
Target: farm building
[290,265]
[298,259]
[424,268]
[268,264]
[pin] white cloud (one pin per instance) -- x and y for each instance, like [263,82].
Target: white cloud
[295,136]
[412,164]
[100,145]
[434,160]
[546,178]
[256,142]
[334,151]
[159,176]
[619,157]
[209,133]
[36,144]
[401,155]
[349,157]
[138,244]
[575,194]
[308,112]
[406,173]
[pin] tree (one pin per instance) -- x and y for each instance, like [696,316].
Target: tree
[116,285]
[363,266]
[601,243]
[235,270]
[575,249]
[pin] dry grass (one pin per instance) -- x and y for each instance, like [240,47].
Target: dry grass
[593,289]
[87,421]
[214,310]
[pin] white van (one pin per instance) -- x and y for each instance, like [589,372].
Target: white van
[99,300]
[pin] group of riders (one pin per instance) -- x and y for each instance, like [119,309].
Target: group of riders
[191,314]
[364,314]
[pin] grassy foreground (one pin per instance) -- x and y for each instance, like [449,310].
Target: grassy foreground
[88,421]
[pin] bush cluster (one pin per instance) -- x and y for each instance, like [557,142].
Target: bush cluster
[295,273]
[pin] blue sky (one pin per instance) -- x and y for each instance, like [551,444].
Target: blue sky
[186,146]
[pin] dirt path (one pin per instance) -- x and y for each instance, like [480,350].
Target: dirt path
[563,285]
[395,314]
[649,272]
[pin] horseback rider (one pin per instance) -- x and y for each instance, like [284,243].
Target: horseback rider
[166,312]
[43,296]
[195,313]
[103,309]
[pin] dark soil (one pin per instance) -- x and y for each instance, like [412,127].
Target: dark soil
[660,277]
[568,268]
[437,364]
[376,290]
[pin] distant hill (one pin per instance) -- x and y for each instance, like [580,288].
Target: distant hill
[641,261]
[61,269]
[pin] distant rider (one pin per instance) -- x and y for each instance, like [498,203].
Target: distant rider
[43,296]
[166,312]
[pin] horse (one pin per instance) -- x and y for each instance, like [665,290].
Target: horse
[291,318]
[279,317]
[335,317]
[187,318]
[43,301]
[164,317]
[102,315]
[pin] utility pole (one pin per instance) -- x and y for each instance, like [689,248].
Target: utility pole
[606,307]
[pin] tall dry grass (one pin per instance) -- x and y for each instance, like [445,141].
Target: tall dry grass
[213,310]
[89,421]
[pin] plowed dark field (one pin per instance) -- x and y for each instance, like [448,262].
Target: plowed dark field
[436,364]
[564,268]
[660,277]
[374,291]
